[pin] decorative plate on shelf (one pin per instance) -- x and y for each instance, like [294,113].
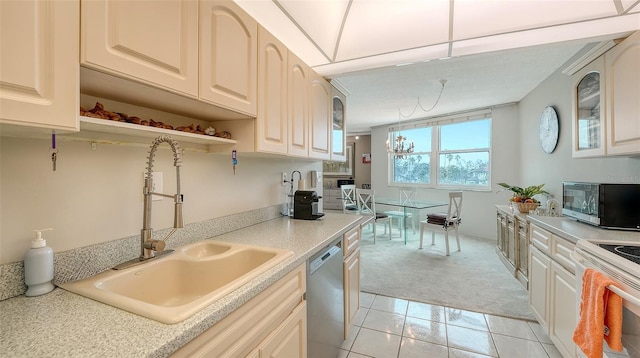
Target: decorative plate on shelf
[549,129]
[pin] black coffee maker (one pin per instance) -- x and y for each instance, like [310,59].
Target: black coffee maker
[305,205]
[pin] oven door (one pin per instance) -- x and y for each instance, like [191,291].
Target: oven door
[631,306]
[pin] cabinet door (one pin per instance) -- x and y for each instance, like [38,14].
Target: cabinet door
[588,111]
[228,56]
[338,126]
[290,339]
[271,123]
[511,240]
[539,272]
[622,94]
[501,226]
[298,107]
[523,248]
[154,42]
[351,289]
[39,74]
[563,317]
[319,117]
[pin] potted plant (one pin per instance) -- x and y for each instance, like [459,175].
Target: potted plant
[523,197]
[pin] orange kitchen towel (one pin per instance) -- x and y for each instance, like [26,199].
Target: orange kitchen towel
[600,315]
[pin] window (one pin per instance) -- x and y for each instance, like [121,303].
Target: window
[456,154]
[464,153]
[414,167]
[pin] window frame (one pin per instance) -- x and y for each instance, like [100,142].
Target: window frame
[434,159]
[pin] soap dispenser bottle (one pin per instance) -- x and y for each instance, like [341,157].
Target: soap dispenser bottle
[38,266]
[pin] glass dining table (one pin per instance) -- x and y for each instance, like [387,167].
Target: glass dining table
[409,205]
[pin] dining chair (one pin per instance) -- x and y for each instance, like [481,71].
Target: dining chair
[367,206]
[444,221]
[407,196]
[348,197]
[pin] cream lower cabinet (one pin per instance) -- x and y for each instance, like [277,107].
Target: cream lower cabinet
[351,272]
[539,273]
[153,42]
[622,88]
[552,293]
[562,307]
[39,75]
[273,324]
[288,340]
[332,199]
[513,242]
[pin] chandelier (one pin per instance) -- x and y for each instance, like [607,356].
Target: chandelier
[400,146]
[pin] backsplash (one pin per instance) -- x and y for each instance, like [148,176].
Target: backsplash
[87,261]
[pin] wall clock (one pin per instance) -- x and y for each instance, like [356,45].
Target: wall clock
[549,129]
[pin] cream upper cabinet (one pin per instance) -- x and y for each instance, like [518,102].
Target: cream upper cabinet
[588,126]
[153,42]
[39,74]
[319,117]
[298,107]
[622,67]
[228,56]
[271,122]
[338,126]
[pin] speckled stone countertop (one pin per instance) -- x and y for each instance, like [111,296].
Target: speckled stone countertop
[574,230]
[63,324]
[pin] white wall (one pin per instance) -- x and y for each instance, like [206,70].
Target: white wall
[552,169]
[517,157]
[478,206]
[96,196]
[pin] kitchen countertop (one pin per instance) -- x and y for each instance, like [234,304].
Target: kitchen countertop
[574,230]
[63,324]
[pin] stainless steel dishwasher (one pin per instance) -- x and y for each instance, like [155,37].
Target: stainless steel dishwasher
[325,302]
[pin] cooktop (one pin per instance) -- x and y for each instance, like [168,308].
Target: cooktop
[629,252]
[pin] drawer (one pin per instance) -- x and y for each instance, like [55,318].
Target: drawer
[540,238]
[351,240]
[561,251]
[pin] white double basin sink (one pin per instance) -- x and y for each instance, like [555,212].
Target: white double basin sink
[174,287]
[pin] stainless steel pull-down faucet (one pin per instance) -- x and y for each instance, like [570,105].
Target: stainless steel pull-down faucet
[150,247]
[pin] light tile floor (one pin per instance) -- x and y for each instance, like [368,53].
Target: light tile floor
[388,327]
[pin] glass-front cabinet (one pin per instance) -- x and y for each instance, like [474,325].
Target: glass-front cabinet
[589,111]
[338,128]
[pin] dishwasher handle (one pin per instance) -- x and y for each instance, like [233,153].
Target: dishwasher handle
[316,263]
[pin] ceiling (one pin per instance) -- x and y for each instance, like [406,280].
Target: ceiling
[388,53]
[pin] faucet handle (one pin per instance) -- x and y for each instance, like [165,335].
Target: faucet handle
[155,245]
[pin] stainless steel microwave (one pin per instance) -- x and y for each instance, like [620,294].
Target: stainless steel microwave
[610,206]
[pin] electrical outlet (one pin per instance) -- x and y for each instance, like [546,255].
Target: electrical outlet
[283,180]
[157,186]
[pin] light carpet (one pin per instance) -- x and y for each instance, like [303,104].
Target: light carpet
[473,279]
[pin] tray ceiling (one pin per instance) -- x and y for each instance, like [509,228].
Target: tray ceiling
[489,51]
